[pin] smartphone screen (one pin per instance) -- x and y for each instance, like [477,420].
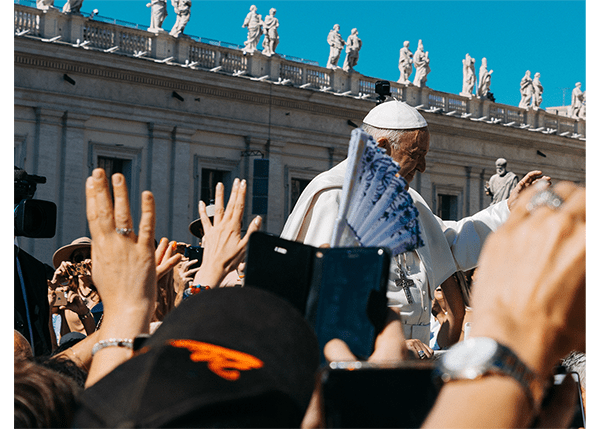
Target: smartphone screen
[360,395]
[280,266]
[194,252]
[352,304]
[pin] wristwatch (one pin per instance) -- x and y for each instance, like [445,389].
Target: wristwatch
[480,356]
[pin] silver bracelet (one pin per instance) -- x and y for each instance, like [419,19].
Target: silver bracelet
[112,342]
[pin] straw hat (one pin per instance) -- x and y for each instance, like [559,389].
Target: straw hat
[65,252]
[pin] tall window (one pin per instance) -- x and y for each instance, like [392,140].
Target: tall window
[209,181]
[116,165]
[447,207]
[298,186]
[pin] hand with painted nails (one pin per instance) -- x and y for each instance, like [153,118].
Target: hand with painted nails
[224,247]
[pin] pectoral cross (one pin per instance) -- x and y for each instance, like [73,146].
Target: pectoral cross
[404,282]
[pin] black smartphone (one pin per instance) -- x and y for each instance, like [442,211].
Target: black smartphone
[352,303]
[361,395]
[579,417]
[280,266]
[194,252]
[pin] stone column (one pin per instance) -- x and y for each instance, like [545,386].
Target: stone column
[182,49]
[71,221]
[415,96]
[276,216]
[45,163]
[257,64]
[159,137]
[468,191]
[181,210]
[272,67]
[339,80]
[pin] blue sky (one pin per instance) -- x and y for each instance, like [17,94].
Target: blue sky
[548,37]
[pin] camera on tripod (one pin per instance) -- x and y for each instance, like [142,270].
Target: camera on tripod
[33,218]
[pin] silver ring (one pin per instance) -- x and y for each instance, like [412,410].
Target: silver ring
[123,231]
[421,354]
[544,198]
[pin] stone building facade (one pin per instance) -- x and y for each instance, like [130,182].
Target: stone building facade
[178,115]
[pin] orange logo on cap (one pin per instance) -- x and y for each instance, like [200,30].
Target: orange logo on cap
[222,361]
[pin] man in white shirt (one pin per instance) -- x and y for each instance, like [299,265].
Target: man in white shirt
[449,246]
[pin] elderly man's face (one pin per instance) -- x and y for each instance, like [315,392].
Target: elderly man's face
[411,156]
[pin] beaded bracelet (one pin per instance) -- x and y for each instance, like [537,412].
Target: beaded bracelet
[192,290]
[112,342]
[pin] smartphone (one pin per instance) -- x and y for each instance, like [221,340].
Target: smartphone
[61,298]
[280,266]
[579,417]
[194,252]
[352,303]
[359,394]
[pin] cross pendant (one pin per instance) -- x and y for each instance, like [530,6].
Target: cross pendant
[405,284]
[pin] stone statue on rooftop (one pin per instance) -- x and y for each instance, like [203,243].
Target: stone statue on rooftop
[577,97]
[271,39]
[468,76]
[72,6]
[336,45]
[405,64]
[353,45]
[485,79]
[421,61]
[253,23]
[501,183]
[526,90]
[538,89]
[44,4]
[159,13]
[182,9]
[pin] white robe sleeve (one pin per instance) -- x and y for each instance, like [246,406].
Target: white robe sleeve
[467,236]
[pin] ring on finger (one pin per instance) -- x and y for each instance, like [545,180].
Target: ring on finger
[421,354]
[124,231]
[544,198]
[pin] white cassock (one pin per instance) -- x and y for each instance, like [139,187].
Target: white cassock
[450,246]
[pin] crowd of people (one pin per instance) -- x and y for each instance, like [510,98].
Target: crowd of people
[133,334]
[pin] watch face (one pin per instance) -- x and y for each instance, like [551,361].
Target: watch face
[470,358]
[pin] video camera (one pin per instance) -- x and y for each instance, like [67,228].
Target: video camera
[33,218]
[382,88]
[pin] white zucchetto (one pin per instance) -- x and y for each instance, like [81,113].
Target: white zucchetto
[395,115]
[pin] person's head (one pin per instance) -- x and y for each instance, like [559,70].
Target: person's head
[79,250]
[501,166]
[528,73]
[272,11]
[406,43]
[253,8]
[354,31]
[22,347]
[420,44]
[484,61]
[578,84]
[336,27]
[44,398]
[402,131]
[537,75]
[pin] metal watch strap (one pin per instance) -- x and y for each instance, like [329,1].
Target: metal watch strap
[112,342]
[508,363]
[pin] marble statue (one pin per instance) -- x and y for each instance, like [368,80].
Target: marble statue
[577,98]
[253,23]
[336,45]
[502,183]
[72,6]
[405,64]
[159,13]
[538,89]
[353,45]
[485,79]
[44,4]
[468,76]
[526,90]
[421,62]
[182,9]
[271,39]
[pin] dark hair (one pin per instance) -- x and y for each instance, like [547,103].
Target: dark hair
[63,366]
[44,398]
